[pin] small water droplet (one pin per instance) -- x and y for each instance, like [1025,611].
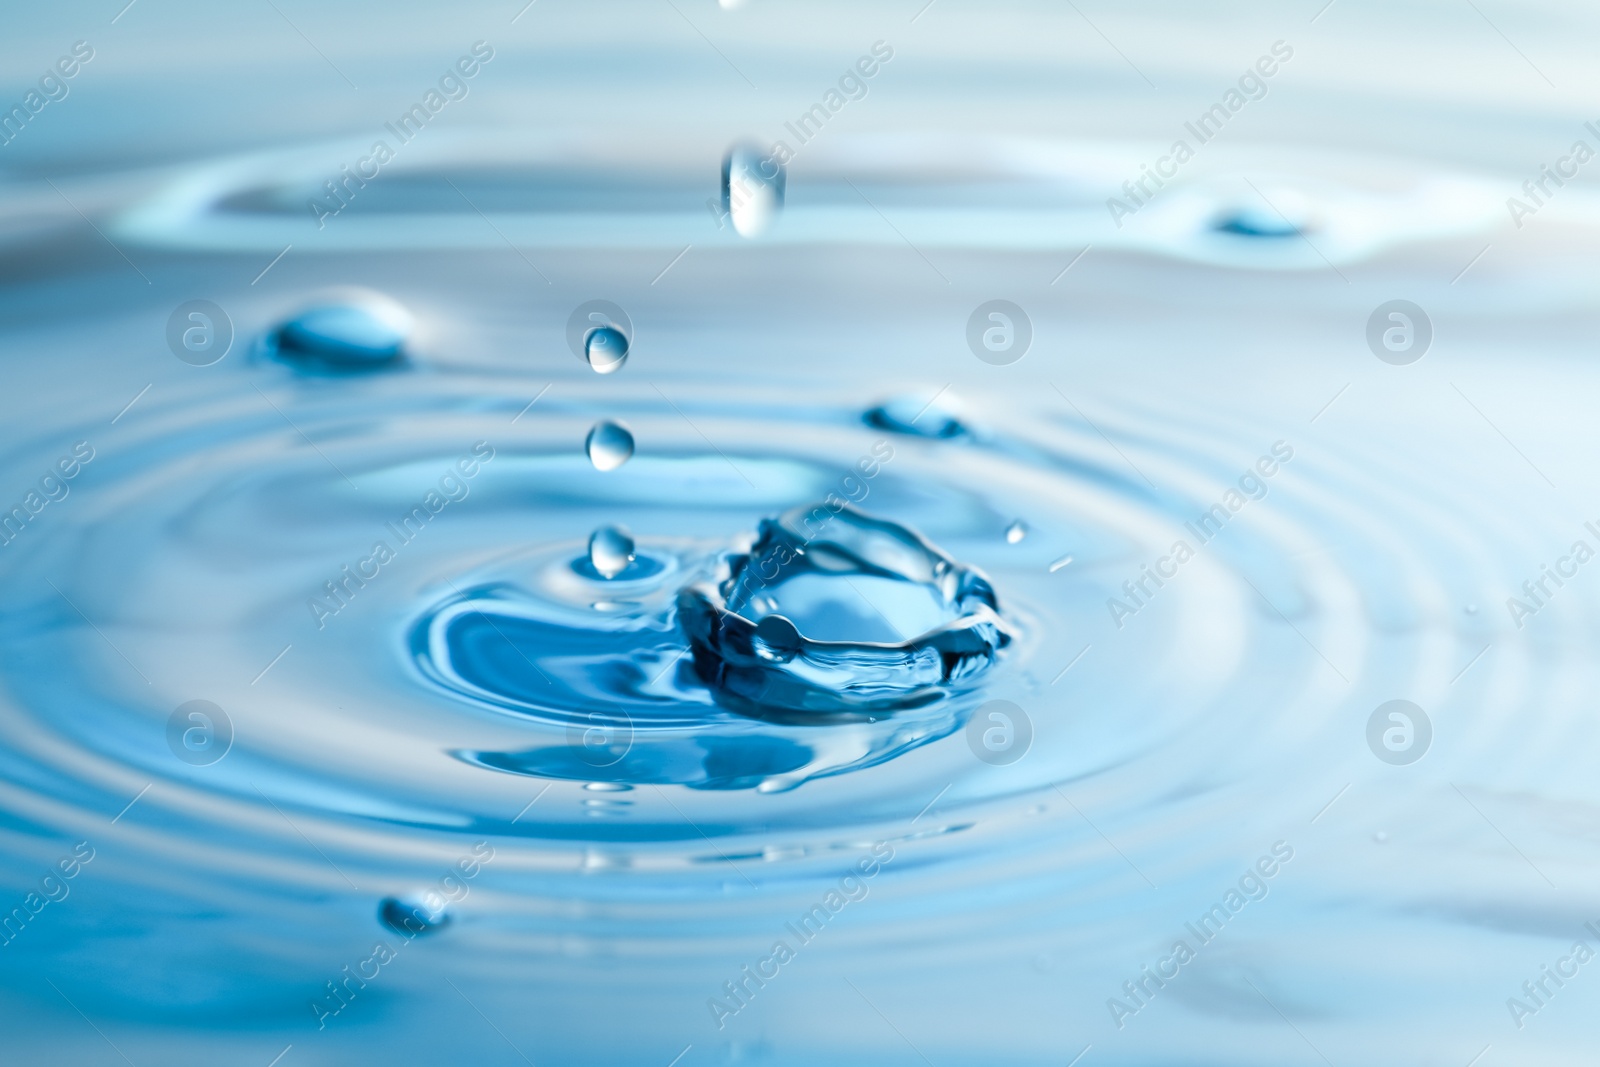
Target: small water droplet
[1016,532]
[356,331]
[1249,223]
[918,416]
[752,189]
[1472,609]
[610,550]
[1380,837]
[606,349]
[1056,565]
[413,914]
[1288,214]
[609,445]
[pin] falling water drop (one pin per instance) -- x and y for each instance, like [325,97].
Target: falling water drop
[1016,532]
[609,445]
[752,189]
[358,330]
[610,550]
[606,349]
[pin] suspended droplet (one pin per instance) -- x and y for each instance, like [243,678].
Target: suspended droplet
[752,189]
[1472,609]
[609,445]
[1016,532]
[411,915]
[356,331]
[610,550]
[606,349]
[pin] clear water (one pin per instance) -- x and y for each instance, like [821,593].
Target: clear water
[609,445]
[242,746]
[610,552]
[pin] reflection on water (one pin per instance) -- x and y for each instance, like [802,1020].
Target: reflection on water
[487,622]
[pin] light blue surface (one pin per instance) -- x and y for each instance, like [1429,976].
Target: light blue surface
[609,870]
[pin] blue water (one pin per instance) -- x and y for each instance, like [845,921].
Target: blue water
[382,684]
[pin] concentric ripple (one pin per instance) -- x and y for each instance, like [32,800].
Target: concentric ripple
[432,619]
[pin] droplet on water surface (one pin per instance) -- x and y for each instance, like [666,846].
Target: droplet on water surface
[411,915]
[918,416]
[606,349]
[610,550]
[356,331]
[1016,532]
[1289,214]
[609,445]
[752,189]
